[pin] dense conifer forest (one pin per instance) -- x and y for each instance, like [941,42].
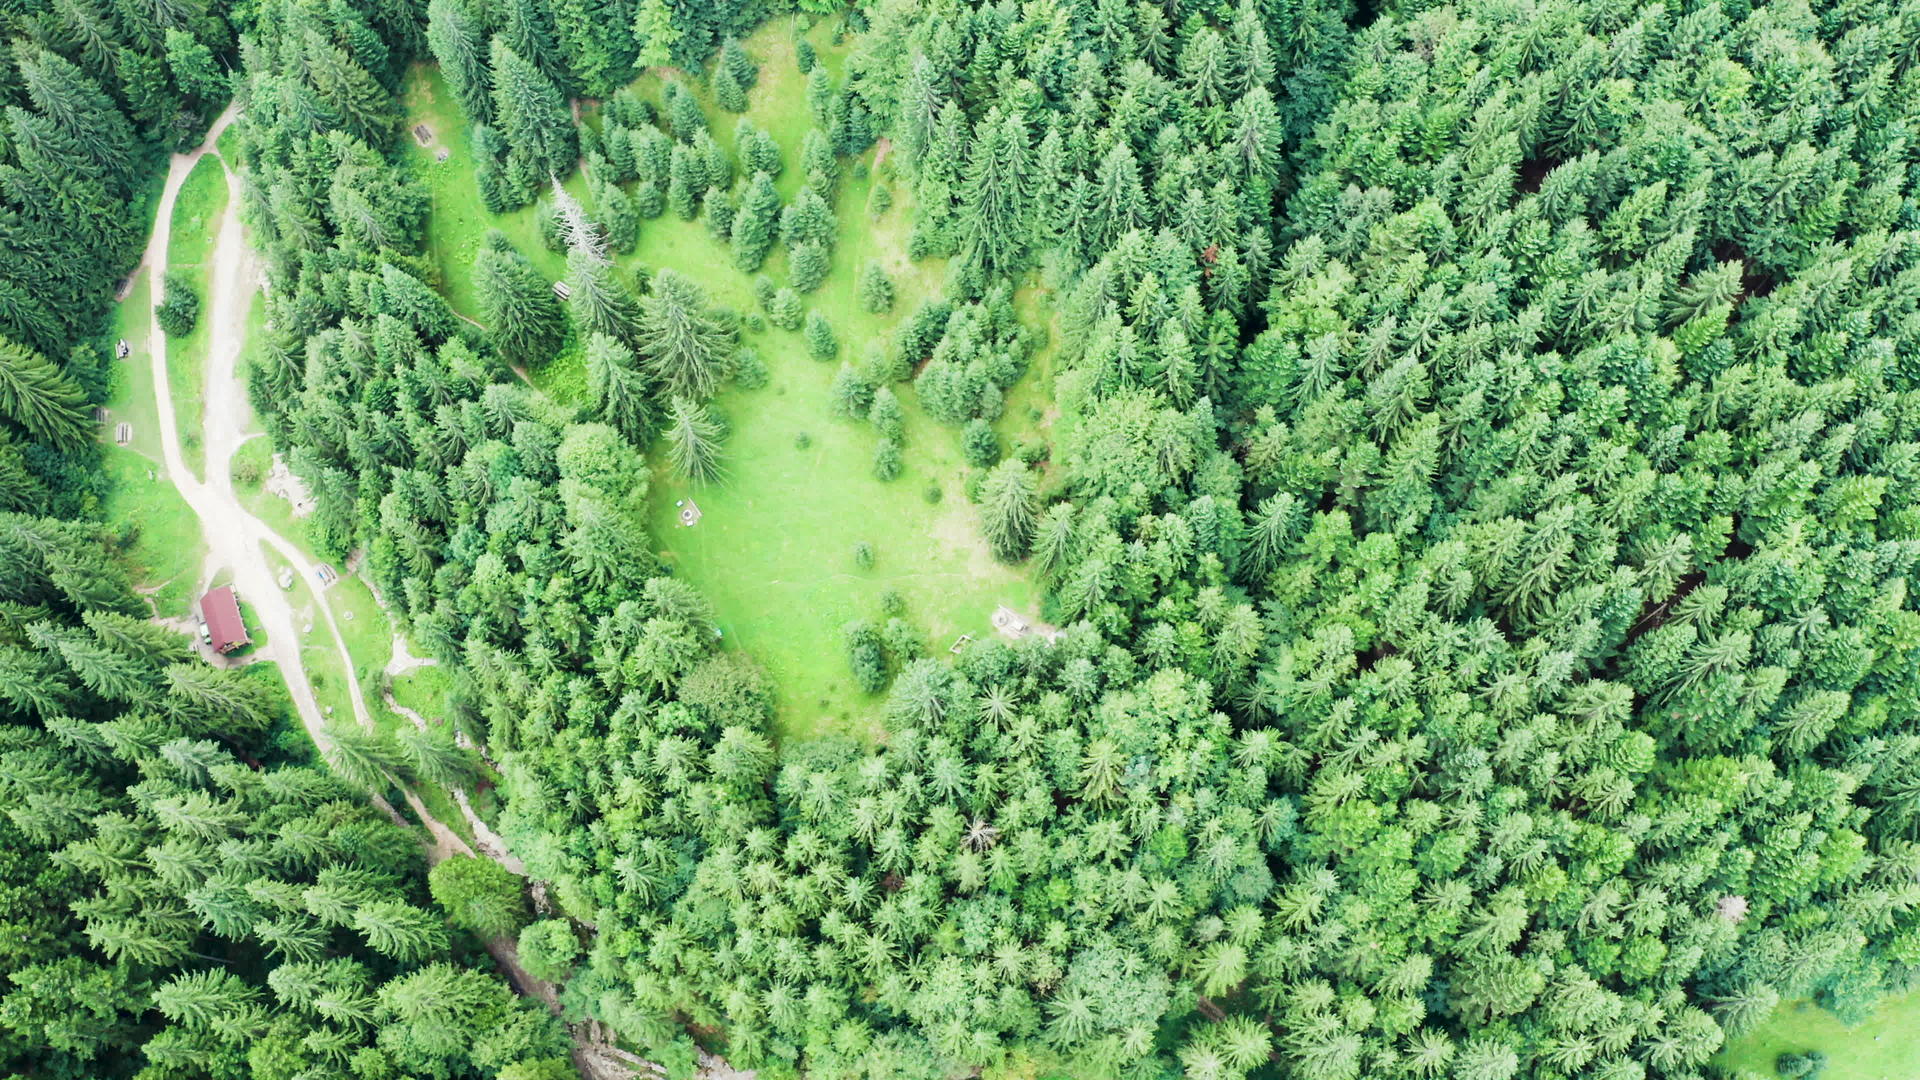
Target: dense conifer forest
[1478,503]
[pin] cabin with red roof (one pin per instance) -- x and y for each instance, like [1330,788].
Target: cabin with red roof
[225,631]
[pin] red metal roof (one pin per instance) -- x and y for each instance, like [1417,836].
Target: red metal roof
[222,613]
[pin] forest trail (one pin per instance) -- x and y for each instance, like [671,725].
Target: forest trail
[234,537]
[238,540]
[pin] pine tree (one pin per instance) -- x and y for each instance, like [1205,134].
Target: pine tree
[684,345]
[617,389]
[994,198]
[754,222]
[458,39]
[521,312]
[875,289]
[1009,507]
[532,113]
[693,442]
[41,398]
[599,303]
[821,343]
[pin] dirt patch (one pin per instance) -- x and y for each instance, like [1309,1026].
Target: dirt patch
[1013,626]
[282,482]
[401,661]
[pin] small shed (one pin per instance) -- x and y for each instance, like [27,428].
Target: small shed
[221,611]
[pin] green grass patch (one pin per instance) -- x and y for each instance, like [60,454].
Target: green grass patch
[130,397]
[249,468]
[157,532]
[425,690]
[196,219]
[458,222]
[1885,1047]
[774,551]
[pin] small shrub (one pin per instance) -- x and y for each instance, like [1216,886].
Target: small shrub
[863,555]
[979,445]
[549,948]
[933,494]
[179,310]
[749,371]
[802,441]
[886,460]
[892,603]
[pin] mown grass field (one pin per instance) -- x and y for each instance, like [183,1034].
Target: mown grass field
[774,550]
[196,217]
[158,532]
[1885,1047]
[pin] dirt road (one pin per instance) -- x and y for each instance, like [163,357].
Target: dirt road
[235,538]
[239,541]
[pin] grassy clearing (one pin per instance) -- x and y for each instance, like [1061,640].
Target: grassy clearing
[130,397]
[249,468]
[159,535]
[1885,1047]
[458,222]
[196,216]
[774,551]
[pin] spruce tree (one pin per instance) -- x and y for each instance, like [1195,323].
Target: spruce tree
[1009,507]
[808,267]
[656,33]
[754,222]
[693,442]
[597,300]
[821,343]
[994,202]
[532,112]
[617,389]
[518,305]
[875,289]
[39,397]
[684,345]
[458,39]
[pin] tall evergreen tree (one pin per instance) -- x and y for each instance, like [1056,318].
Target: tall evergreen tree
[532,112]
[693,441]
[599,302]
[684,345]
[994,198]
[41,398]
[459,42]
[1009,509]
[518,305]
[618,389]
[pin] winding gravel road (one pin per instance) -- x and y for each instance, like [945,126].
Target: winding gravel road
[238,540]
